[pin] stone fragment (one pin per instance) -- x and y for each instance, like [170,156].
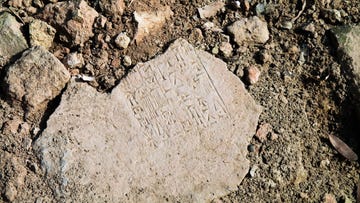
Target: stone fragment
[226,49]
[112,7]
[75,18]
[253,170]
[347,40]
[263,131]
[122,41]
[12,40]
[249,30]
[74,60]
[127,60]
[210,26]
[175,129]
[211,9]
[252,74]
[41,34]
[35,79]
[150,22]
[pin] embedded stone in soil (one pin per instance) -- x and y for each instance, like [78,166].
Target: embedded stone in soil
[347,39]
[12,41]
[176,128]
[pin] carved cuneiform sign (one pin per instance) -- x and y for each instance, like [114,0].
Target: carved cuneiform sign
[176,129]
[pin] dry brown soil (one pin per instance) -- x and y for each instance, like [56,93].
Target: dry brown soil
[304,103]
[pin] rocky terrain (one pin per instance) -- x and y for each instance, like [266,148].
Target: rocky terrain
[179,101]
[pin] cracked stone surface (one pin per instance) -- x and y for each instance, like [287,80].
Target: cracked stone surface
[175,129]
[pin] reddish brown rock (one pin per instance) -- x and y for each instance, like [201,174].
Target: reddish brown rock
[253,74]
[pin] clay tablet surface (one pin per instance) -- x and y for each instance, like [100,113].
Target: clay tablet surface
[175,129]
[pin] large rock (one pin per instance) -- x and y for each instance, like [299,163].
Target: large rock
[347,39]
[175,129]
[12,41]
[35,79]
[249,30]
[75,18]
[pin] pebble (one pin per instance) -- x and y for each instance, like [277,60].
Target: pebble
[287,25]
[74,60]
[253,74]
[260,8]
[127,61]
[215,50]
[332,15]
[251,148]
[310,27]
[253,170]
[100,21]
[122,41]
[41,34]
[324,163]
[264,57]
[226,49]
[211,26]
[262,132]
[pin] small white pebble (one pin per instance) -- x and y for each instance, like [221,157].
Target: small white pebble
[122,41]
[127,61]
[253,170]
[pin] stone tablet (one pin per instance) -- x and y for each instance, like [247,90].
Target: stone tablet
[175,129]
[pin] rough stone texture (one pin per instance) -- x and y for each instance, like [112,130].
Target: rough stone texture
[12,41]
[249,30]
[14,175]
[122,41]
[35,78]
[75,19]
[150,22]
[348,42]
[112,7]
[41,34]
[175,129]
[211,9]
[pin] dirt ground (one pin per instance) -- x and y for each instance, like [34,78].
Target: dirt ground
[303,88]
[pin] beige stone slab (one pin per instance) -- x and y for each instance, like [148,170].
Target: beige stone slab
[175,129]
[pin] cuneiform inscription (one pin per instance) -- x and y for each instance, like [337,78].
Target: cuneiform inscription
[177,97]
